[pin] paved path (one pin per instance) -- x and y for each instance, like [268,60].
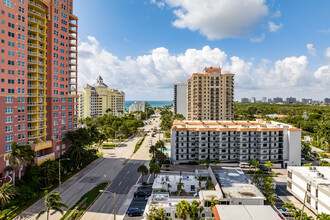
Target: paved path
[103,169]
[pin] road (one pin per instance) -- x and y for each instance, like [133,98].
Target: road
[123,185]
[115,165]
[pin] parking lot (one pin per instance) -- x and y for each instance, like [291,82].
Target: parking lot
[139,202]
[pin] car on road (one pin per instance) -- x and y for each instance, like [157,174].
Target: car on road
[285,212]
[135,212]
[141,194]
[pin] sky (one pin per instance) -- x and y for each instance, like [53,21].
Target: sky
[275,48]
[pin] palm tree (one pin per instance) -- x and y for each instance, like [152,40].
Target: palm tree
[154,168]
[183,209]
[213,202]
[209,184]
[27,156]
[156,214]
[195,210]
[180,186]
[143,170]
[14,158]
[52,201]
[289,206]
[270,165]
[254,163]
[323,216]
[7,192]
[200,179]
[153,149]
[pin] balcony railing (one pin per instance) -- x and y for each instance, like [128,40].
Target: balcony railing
[36,4]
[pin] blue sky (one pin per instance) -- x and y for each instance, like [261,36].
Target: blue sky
[144,46]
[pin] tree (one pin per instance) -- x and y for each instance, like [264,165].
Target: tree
[14,158]
[209,184]
[52,202]
[143,170]
[154,168]
[270,165]
[289,206]
[180,186]
[195,210]
[323,216]
[156,214]
[213,202]
[27,156]
[183,209]
[200,179]
[254,163]
[153,149]
[7,192]
[48,172]
[160,156]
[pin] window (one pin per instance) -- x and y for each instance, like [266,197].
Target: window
[8,3]
[8,147]
[9,99]
[9,110]
[308,187]
[290,174]
[9,138]
[9,129]
[192,188]
[316,192]
[9,119]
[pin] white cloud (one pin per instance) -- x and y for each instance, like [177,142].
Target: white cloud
[160,4]
[311,50]
[151,76]
[276,14]
[217,19]
[274,27]
[258,39]
[327,52]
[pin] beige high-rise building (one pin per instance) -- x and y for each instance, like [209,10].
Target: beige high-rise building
[210,95]
[98,99]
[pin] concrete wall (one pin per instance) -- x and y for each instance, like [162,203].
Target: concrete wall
[294,138]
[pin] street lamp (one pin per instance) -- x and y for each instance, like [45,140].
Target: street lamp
[59,170]
[114,200]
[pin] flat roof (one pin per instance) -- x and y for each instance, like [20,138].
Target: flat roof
[227,125]
[234,184]
[311,173]
[246,212]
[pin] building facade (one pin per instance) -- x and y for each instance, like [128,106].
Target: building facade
[210,95]
[180,99]
[312,185]
[38,75]
[98,99]
[236,142]
[137,106]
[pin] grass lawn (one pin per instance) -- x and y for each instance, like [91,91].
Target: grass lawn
[109,146]
[90,195]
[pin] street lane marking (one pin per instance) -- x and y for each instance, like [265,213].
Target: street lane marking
[127,172]
[102,207]
[138,180]
[81,186]
[148,179]
[119,183]
[96,200]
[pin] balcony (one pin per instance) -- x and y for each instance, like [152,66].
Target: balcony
[43,158]
[36,95]
[36,5]
[73,29]
[35,128]
[35,87]
[72,49]
[35,78]
[35,136]
[31,120]
[36,13]
[36,111]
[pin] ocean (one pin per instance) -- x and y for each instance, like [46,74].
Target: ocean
[152,103]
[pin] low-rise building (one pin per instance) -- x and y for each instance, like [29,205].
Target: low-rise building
[246,212]
[231,187]
[236,142]
[311,184]
[137,106]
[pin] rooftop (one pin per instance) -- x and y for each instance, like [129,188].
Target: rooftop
[312,173]
[226,125]
[234,184]
[246,212]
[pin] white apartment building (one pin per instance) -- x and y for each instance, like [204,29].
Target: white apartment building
[314,184]
[236,142]
[180,99]
[137,106]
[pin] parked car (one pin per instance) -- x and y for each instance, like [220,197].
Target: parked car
[285,212]
[135,212]
[141,194]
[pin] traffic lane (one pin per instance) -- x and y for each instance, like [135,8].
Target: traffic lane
[121,185]
[282,191]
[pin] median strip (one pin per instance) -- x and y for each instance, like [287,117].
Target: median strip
[139,143]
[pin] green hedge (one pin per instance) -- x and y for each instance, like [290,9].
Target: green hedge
[139,143]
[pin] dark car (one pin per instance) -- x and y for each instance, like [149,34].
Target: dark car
[135,212]
[141,194]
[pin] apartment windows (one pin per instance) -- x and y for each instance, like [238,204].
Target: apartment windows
[9,99]
[316,193]
[8,147]
[308,187]
[9,119]
[9,129]
[9,138]
[8,3]
[11,25]
[290,174]
[9,110]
